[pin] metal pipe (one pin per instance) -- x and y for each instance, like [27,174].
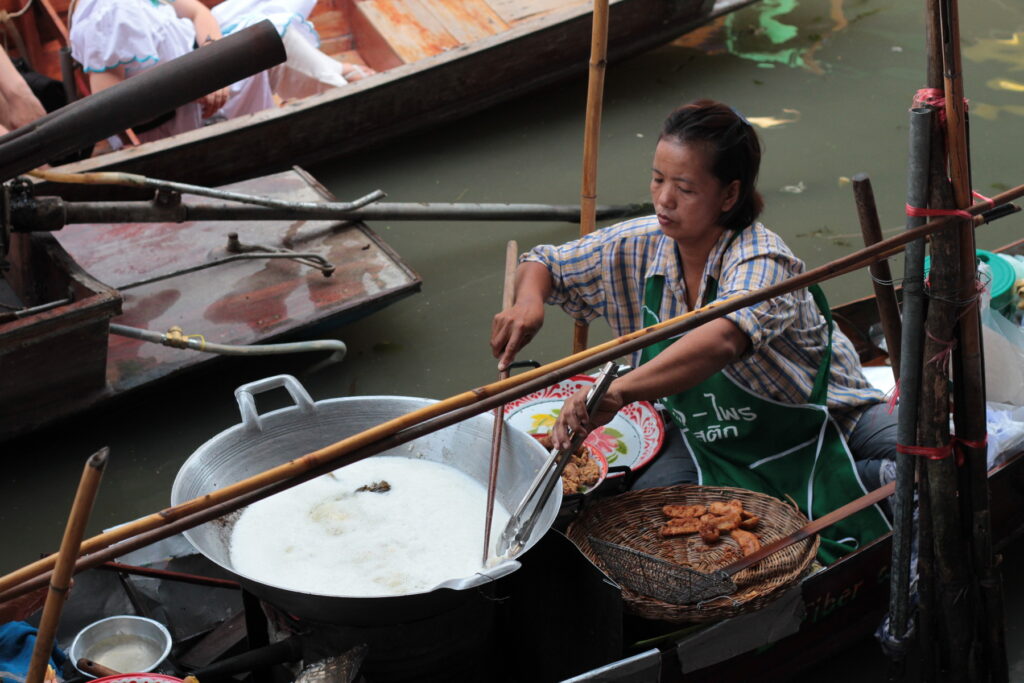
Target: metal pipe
[136,180]
[53,212]
[140,98]
[197,343]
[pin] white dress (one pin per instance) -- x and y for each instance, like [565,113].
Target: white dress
[141,33]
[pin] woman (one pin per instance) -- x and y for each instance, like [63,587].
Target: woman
[117,39]
[767,398]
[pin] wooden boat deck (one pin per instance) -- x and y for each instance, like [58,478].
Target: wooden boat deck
[243,302]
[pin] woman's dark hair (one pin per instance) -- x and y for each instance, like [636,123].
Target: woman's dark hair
[735,150]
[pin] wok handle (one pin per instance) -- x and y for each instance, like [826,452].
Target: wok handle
[853,507]
[245,395]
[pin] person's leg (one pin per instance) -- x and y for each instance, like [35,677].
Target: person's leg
[674,465]
[873,445]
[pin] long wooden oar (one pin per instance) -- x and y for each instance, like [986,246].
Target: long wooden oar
[462,406]
[592,139]
[508,298]
[73,532]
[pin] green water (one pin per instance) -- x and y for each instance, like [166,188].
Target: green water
[828,83]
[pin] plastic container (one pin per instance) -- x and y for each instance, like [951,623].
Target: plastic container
[1003,277]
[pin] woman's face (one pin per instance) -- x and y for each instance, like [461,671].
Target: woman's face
[687,196]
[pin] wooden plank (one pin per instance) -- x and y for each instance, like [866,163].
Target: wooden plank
[512,11]
[372,45]
[215,644]
[409,28]
[466,20]
[335,32]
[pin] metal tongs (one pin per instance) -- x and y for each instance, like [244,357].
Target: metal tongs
[518,529]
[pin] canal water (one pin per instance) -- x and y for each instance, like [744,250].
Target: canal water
[827,83]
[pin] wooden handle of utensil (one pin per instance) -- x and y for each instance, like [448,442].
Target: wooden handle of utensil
[508,299]
[508,291]
[95,668]
[853,507]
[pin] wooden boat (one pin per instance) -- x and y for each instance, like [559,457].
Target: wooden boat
[439,59]
[59,358]
[560,618]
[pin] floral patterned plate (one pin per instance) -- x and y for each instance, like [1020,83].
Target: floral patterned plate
[632,438]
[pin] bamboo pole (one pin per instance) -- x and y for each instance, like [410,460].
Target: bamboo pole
[508,298]
[592,139]
[969,385]
[952,611]
[484,398]
[65,563]
[881,275]
[910,381]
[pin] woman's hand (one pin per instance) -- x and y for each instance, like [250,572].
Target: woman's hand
[211,104]
[574,415]
[514,328]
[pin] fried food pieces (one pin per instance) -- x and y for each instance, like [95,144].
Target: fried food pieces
[580,473]
[711,521]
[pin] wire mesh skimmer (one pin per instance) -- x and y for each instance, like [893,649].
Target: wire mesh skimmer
[660,579]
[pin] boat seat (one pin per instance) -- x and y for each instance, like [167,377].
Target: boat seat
[395,32]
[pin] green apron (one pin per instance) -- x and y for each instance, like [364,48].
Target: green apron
[740,439]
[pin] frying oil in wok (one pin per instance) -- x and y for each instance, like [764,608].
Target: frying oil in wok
[326,537]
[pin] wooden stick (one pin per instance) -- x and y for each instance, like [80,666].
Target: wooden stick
[592,139]
[508,299]
[969,375]
[483,398]
[69,547]
[881,276]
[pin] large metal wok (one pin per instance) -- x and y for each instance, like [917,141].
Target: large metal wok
[261,442]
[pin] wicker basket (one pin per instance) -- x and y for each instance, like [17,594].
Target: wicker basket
[633,519]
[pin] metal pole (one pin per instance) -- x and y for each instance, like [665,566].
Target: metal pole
[52,213]
[910,377]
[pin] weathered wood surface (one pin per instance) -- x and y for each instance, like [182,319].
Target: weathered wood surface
[58,354]
[441,87]
[243,302]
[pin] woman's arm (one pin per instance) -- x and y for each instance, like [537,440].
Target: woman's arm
[513,328]
[101,80]
[687,362]
[207,29]
[18,105]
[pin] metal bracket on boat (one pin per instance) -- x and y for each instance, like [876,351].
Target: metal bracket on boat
[16,197]
[236,246]
[166,197]
[239,251]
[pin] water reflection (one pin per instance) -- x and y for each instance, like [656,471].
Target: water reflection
[774,32]
[1008,52]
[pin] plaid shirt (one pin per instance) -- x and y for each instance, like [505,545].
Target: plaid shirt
[603,275]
